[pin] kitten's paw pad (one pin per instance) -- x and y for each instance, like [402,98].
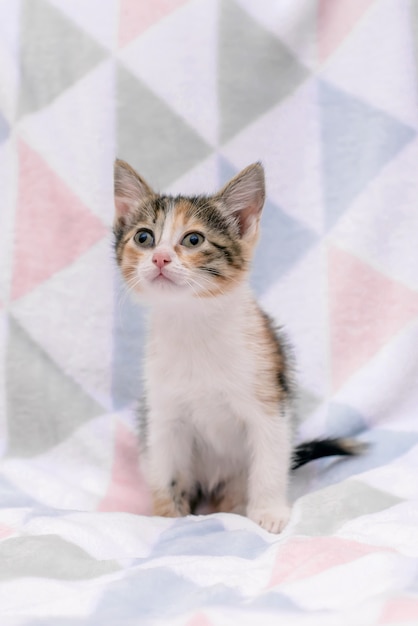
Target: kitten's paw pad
[273,519]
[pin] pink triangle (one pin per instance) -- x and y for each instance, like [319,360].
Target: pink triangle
[135,17]
[399,610]
[6,531]
[199,619]
[127,490]
[303,557]
[336,20]
[366,310]
[53,227]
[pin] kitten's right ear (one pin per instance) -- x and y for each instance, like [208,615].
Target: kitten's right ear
[130,190]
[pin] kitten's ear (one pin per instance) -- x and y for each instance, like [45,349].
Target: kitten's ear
[243,197]
[130,190]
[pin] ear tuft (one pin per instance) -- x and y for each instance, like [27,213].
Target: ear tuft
[130,190]
[243,197]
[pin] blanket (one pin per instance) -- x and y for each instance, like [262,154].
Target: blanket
[189,92]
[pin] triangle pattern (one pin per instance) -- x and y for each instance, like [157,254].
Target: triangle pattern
[385,446]
[9,67]
[66,311]
[280,138]
[189,87]
[127,490]
[14,497]
[382,393]
[303,288]
[306,557]
[400,609]
[128,347]
[344,421]
[397,474]
[358,141]
[226,170]
[86,171]
[306,402]
[294,23]
[42,28]
[242,95]
[199,619]
[80,461]
[318,515]
[336,20]
[203,178]
[156,142]
[98,18]
[380,221]
[52,226]
[384,76]
[135,17]
[283,241]
[44,406]
[366,310]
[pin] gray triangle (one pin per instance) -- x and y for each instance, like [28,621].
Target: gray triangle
[49,556]
[358,140]
[151,137]
[256,71]
[54,55]
[44,406]
[4,128]
[323,512]
[306,403]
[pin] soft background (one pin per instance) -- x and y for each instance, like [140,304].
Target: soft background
[325,94]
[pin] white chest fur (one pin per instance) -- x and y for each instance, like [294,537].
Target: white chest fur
[201,353]
[200,370]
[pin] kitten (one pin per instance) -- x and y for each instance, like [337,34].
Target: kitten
[217,379]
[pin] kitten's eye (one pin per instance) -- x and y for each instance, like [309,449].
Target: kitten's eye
[144,238]
[192,240]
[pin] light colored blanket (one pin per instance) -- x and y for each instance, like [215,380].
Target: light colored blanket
[325,94]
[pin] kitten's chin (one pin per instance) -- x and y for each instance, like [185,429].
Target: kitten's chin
[160,288]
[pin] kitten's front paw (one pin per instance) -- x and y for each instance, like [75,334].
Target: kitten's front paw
[170,503]
[273,518]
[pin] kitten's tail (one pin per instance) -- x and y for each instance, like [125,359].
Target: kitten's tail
[318,448]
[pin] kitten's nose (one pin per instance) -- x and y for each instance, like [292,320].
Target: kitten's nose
[160,259]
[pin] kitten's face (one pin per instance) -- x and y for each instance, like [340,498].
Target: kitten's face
[200,246]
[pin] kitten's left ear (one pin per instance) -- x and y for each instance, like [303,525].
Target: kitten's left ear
[130,190]
[244,196]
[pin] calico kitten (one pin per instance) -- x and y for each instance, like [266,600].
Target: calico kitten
[217,379]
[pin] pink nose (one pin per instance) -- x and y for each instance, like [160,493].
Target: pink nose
[160,259]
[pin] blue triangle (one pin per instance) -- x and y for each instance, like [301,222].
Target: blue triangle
[384,447]
[358,141]
[4,128]
[128,348]
[283,239]
[282,243]
[344,421]
[206,537]
[226,170]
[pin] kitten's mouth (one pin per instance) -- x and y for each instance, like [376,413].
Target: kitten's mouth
[162,279]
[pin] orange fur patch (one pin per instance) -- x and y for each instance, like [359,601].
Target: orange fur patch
[163,505]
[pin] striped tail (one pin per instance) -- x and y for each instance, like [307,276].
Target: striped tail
[319,448]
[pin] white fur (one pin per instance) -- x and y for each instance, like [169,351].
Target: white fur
[206,423]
